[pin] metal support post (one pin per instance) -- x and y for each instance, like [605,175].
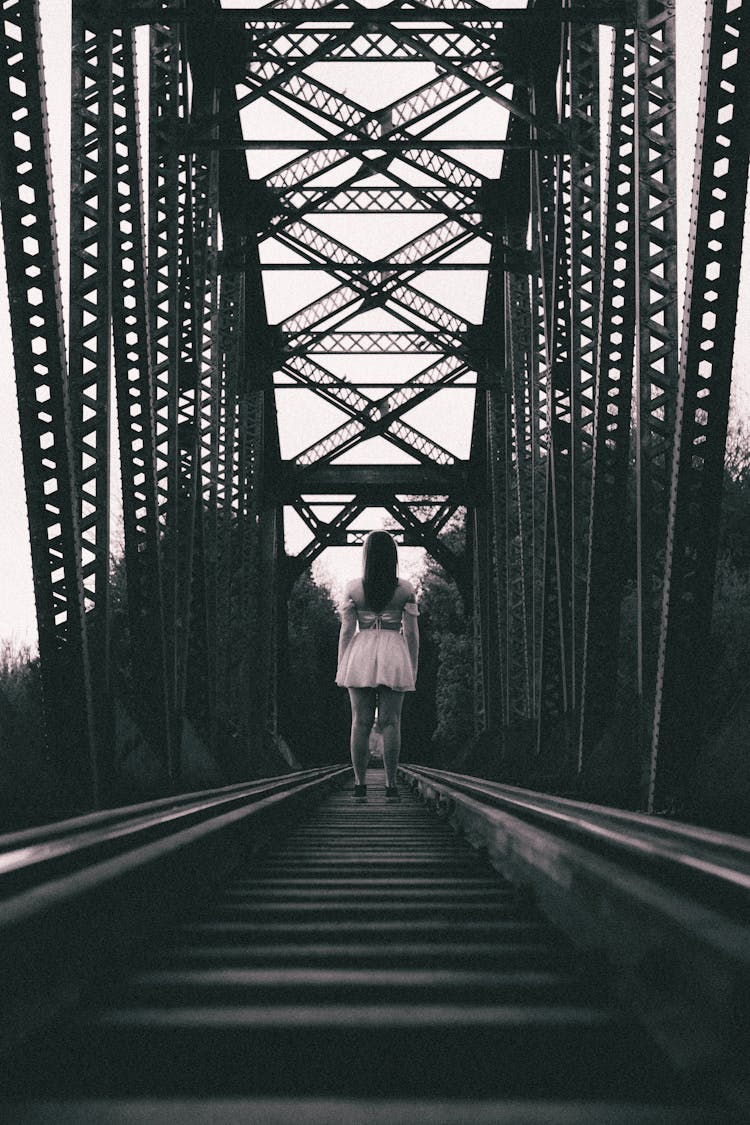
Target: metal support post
[90,324]
[656,331]
[44,405]
[607,550]
[705,370]
[135,411]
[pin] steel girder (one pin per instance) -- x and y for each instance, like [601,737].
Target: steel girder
[46,414]
[657,342]
[90,324]
[705,370]
[512,455]
[607,567]
[135,405]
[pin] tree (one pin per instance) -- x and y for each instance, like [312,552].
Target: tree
[314,712]
[445,661]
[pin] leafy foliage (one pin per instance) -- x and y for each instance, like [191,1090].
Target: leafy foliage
[28,779]
[314,713]
[446,637]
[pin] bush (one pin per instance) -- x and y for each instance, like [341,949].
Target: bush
[28,778]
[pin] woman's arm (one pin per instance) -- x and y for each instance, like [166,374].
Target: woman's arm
[348,625]
[411,630]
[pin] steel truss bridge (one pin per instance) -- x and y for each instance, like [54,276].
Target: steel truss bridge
[254,168]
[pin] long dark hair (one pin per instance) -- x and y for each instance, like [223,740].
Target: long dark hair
[380,562]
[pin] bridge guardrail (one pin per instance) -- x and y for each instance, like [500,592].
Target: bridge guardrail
[666,905]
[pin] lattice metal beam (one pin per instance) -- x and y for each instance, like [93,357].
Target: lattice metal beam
[709,324]
[608,546]
[135,405]
[656,321]
[44,403]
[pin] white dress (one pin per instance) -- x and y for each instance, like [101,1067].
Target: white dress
[377,654]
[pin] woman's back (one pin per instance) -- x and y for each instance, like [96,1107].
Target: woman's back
[403,593]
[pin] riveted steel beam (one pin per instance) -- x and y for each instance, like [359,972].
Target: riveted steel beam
[134,384]
[90,321]
[608,546]
[373,483]
[656,329]
[127,12]
[708,334]
[44,404]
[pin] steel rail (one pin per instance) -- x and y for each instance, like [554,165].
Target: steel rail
[675,848]
[364,934]
[35,853]
[665,905]
[79,892]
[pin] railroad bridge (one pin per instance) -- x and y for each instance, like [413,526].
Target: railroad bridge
[329,261]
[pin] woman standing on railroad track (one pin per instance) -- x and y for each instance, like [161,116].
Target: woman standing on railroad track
[378,652]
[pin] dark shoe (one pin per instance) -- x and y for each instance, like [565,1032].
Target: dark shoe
[392,793]
[360,794]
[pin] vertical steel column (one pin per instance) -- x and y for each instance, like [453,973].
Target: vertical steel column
[656,326]
[538,426]
[494,557]
[164,310]
[479,625]
[135,409]
[709,323]
[205,168]
[231,641]
[200,226]
[43,401]
[607,556]
[264,648]
[187,514]
[554,290]
[511,467]
[176,355]
[280,661]
[492,669]
[90,348]
[252,533]
[585,273]
[523,500]
[502,561]
[523,453]
[250,570]
[550,207]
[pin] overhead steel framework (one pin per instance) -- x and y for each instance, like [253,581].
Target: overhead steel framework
[457,235]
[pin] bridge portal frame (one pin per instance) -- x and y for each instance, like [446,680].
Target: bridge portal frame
[183,315]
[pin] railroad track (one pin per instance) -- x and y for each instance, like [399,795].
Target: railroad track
[274,953]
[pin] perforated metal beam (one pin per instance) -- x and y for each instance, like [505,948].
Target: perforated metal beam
[44,404]
[705,371]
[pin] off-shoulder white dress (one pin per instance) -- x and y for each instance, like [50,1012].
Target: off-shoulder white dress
[377,654]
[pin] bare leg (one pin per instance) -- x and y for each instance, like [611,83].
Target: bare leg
[363,713]
[389,721]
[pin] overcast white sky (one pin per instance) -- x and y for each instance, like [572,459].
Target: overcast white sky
[16,595]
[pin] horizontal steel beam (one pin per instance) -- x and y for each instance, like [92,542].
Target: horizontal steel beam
[372,483]
[358,268]
[605,12]
[377,145]
[362,385]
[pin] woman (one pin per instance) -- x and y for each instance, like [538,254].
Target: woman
[378,651]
